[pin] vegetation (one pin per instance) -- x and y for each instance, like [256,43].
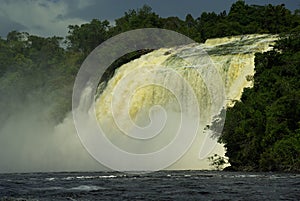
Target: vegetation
[218,162]
[262,132]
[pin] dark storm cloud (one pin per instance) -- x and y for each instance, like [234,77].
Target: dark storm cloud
[52,17]
[7,25]
[113,9]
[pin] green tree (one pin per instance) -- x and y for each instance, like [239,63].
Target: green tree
[134,19]
[88,36]
[262,131]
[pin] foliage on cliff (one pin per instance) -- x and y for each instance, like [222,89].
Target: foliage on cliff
[262,131]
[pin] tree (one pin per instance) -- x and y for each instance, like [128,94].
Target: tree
[134,19]
[88,36]
[262,131]
[217,161]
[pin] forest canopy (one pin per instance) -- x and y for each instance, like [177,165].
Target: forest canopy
[262,132]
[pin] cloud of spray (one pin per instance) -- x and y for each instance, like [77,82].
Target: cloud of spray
[31,142]
[124,87]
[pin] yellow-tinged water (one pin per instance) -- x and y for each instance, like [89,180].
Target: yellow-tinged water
[176,81]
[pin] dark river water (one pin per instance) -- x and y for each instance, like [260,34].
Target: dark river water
[163,185]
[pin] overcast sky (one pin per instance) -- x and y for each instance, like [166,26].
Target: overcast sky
[51,17]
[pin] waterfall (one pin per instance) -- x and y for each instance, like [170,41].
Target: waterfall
[164,94]
[148,99]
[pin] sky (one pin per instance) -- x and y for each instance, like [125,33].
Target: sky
[52,17]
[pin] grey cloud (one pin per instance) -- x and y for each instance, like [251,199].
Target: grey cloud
[113,9]
[7,25]
[82,11]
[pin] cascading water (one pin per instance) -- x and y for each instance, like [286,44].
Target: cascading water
[125,109]
[37,145]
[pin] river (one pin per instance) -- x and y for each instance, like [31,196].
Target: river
[161,185]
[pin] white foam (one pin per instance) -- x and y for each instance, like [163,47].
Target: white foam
[108,176]
[50,188]
[50,179]
[68,178]
[85,177]
[87,188]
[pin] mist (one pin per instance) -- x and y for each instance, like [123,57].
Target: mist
[30,141]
